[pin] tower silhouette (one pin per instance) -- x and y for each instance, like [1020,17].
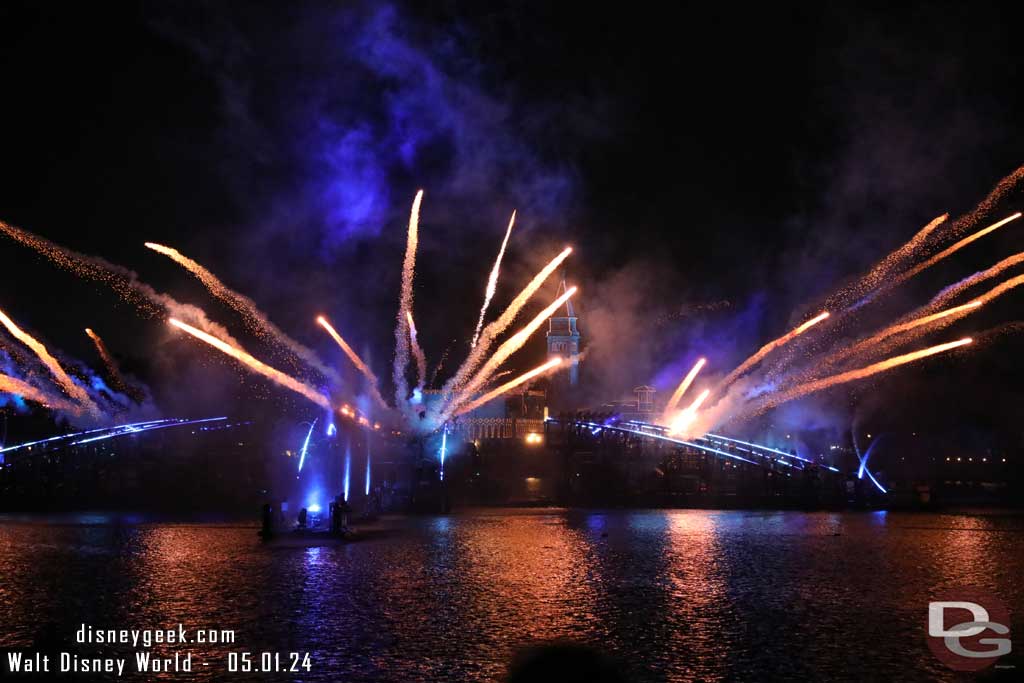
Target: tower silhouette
[564,337]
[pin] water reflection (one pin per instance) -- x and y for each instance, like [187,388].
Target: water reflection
[676,595]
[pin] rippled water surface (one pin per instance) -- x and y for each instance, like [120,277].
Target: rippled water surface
[674,595]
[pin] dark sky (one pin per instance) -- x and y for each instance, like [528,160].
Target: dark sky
[718,167]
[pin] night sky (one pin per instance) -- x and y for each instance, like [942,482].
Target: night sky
[719,169]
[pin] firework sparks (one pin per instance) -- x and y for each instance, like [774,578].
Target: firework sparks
[510,346]
[108,360]
[13,385]
[255,320]
[255,365]
[677,395]
[492,330]
[876,277]
[405,304]
[123,281]
[861,373]
[374,383]
[417,354]
[510,385]
[492,281]
[66,383]
[950,313]
[768,348]
[945,253]
[686,417]
[955,289]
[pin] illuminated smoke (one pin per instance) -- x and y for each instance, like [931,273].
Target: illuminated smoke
[123,281]
[860,373]
[768,348]
[492,281]
[510,385]
[374,384]
[255,319]
[687,416]
[13,385]
[405,305]
[255,365]
[677,395]
[510,346]
[115,373]
[492,330]
[66,383]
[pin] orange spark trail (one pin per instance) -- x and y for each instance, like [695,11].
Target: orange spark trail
[510,346]
[687,416]
[953,249]
[492,281]
[508,386]
[683,386]
[954,290]
[875,277]
[254,318]
[417,353]
[123,281]
[1002,188]
[66,383]
[846,352]
[256,366]
[13,385]
[115,373]
[768,348]
[860,373]
[491,332]
[356,360]
[405,305]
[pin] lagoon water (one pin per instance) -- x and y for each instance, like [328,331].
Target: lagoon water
[672,595]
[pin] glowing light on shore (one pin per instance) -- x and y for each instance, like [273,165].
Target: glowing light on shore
[366,490]
[257,366]
[371,378]
[63,380]
[510,385]
[348,471]
[492,281]
[444,449]
[305,446]
[677,395]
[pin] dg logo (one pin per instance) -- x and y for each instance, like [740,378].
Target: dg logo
[968,629]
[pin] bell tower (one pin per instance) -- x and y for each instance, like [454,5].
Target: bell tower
[564,337]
